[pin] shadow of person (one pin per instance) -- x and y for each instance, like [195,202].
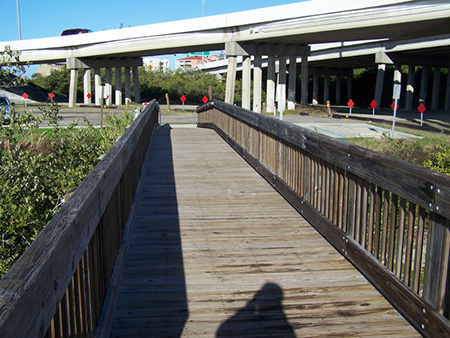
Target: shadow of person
[263,316]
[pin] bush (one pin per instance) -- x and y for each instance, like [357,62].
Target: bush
[37,171]
[439,158]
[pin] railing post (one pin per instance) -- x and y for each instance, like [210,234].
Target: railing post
[436,289]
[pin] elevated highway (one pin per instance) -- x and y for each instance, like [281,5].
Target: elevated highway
[280,31]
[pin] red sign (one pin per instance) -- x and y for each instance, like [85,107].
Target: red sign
[350,103]
[421,108]
[393,105]
[183,98]
[205,99]
[51,96]
[25,96]
[373,104]
[89,95]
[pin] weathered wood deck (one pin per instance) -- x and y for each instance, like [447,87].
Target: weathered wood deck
[216,252]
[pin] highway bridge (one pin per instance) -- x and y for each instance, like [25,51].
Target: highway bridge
[245,226]
[413,33]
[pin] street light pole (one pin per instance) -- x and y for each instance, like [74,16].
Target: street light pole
[18,19]
[203,4]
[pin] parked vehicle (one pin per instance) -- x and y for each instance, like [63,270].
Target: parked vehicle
[73,31]
[5,107]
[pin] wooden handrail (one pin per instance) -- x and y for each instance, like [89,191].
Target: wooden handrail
[57,287]
[390,218]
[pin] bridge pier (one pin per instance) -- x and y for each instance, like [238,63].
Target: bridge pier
[410,88]
[447,91]
[108,86]
[292,81]
[131,66]
[73,87]
[87,86]
[270,86]
[118,86]
[338,90]
[277,56]
[97,84]
[257,84]
[281,89]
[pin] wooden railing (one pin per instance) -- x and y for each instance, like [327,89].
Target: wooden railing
[388,217]
[58,286]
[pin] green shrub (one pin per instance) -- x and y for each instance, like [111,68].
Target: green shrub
[37,171]
[439,158]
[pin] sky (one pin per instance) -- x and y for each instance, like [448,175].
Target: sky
[47,18]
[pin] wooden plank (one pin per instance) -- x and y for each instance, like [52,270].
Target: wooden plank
[223,251]
[402,178]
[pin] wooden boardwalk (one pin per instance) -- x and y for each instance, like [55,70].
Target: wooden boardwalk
[216,252]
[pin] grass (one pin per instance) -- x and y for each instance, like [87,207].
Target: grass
[430,151]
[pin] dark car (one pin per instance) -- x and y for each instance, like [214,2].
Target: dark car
[5,108]
[74,31]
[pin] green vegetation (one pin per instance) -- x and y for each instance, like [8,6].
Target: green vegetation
[432,151]
[38,167]
[154,84]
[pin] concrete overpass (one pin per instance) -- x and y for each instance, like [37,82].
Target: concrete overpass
[340,59]
[281,31]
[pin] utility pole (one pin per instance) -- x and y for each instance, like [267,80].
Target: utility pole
[18,19]
[203,5]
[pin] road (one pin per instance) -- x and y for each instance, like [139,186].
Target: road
[355,125]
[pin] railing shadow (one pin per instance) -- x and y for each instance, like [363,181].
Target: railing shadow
[152,300]
[263,316]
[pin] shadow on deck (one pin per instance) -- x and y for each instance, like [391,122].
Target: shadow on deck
[215,251]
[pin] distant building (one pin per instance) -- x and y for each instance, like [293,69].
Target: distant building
[46,69]
[156,64]
[196,61]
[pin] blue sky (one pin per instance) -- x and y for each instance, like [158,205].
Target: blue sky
[46,18]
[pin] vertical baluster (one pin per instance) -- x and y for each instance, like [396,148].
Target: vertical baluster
[436,286]
[364,213]
[370,225]
[419,251]
[377,230]
[392,232]
[385,227]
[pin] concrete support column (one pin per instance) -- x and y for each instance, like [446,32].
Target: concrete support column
[436,86]
[118,88]
[409,97]
[304,82]
[87,92]
[97,85]
[315,88]
[73,87]
[326,88]
[271,79]
[282,84]
[257,83]
[231,79]
[246,81]
[127,74]
[108,86]
[447,92]
[379,84]
[424,85]
[292,81]
[137,89]
[338,90]
[350,84]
